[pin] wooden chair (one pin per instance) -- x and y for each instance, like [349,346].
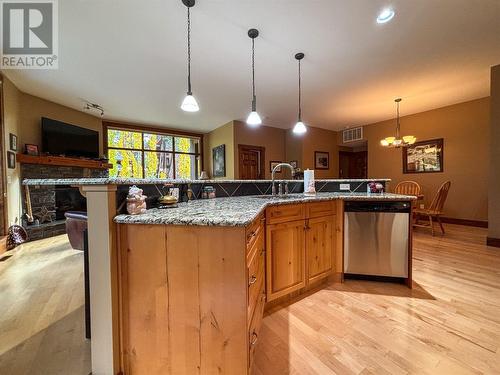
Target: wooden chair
[408,188]
[435,210]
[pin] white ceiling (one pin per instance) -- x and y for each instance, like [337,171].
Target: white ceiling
[129,57]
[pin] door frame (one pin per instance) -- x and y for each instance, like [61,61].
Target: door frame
[262,163]
[343,152]
[3,166]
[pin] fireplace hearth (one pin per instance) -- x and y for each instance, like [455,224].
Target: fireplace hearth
[56,199]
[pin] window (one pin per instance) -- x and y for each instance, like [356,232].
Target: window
[152,154]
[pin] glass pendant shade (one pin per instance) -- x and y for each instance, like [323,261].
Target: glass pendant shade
[410,139]
[299,128]
[189,104]
[254,119]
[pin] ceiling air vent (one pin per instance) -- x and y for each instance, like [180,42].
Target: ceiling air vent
[352,135]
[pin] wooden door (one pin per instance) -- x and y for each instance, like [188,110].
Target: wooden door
[285,258]
[251,162]
[353,164]
[320,247]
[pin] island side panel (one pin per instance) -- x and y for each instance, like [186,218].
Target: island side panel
[338,267]
[103,259]
[144,299]
[207,299]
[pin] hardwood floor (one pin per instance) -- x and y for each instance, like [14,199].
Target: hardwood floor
[448,324]
[41,310]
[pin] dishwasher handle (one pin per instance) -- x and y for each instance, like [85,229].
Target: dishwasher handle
[377,206]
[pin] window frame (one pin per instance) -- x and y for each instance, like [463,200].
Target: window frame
[161,131]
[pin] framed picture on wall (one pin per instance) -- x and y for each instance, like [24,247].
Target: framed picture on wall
[219,161]
[321,160]
[274,163]
[12,142]
[424,157]
[11,160]
[31,150]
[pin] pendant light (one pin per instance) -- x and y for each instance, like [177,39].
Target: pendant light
[189,104]
[397,141]
[299,127]
[253,118]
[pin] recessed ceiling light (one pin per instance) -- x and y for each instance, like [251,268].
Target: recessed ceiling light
[386,15]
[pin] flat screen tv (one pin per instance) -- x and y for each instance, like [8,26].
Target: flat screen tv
[59,138]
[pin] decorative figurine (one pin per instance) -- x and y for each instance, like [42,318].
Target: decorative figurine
[136,201]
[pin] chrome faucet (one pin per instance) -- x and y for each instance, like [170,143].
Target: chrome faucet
[273,187]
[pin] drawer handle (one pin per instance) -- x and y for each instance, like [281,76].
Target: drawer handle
[252,280]
[255,338]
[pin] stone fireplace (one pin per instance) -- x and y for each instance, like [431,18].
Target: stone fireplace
[50,202]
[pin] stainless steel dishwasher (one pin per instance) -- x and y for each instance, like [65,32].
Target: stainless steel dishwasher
[376,238]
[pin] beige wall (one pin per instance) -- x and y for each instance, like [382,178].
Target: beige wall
[22,113]
[35,108]
[223,135]
[494,172]
[12,98]
[272,139]
[280,145]
[465,128]
[317,139]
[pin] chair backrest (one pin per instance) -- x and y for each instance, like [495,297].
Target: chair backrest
[437,204]
[408,188]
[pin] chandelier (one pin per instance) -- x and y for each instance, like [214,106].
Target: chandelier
[398,141]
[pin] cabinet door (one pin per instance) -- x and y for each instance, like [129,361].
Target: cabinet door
[320,246]
[285,258]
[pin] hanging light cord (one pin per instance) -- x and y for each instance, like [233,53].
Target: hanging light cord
[254,98]
[397,124]
[189,50]
[300,96]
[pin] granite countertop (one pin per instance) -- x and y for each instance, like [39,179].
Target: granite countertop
[237,211]
[152,181]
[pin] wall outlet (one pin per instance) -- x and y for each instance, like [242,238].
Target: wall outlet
[345,186]
[422,206]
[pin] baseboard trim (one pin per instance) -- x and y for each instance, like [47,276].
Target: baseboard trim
[467,222]
[470,223]
[495,242]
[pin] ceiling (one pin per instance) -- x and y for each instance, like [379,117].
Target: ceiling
[131,59]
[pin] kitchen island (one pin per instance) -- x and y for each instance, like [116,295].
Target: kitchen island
[194,281]
[183,290]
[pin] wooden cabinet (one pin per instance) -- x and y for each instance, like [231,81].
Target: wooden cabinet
[285,265]
[300,251]
[319,246]
[191,298]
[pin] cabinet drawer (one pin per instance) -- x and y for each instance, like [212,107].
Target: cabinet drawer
[253,230]
[255,274]
[255,324]
[319,209]
[284,213]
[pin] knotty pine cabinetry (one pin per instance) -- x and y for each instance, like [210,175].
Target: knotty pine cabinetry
[191,298]
[301,242]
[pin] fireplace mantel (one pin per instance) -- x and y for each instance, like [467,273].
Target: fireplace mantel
[63,161]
